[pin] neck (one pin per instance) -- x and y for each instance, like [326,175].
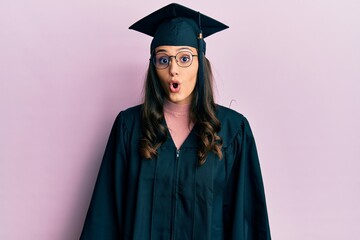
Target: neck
[177,117]
[183,109]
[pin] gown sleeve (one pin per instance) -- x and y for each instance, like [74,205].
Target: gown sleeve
[103,220]
[245,213]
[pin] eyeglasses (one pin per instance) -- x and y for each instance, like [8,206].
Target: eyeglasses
[183,59]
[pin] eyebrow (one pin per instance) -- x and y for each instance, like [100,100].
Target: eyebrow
[178,50]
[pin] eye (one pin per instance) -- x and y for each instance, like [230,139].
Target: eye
[163,60]
[184,57]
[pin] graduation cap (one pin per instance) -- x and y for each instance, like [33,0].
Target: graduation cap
[176,25]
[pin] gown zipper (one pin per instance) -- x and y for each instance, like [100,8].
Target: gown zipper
[175,189]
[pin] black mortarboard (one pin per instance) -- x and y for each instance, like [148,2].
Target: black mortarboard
[176,25]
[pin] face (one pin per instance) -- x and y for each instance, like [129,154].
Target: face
[178,82]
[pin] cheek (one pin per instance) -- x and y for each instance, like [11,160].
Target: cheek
[193,75]
[161,77]
[191,82]
[195,69]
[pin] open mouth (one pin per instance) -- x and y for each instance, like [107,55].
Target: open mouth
[174,87]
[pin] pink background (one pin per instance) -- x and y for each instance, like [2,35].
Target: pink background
[68,67]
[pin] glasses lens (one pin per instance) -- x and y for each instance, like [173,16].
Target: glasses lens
[184,59]
[161,61]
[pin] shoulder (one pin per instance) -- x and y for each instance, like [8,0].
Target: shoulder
[130,114]
[130,119]
[227,114]
[233,124]
[230,118]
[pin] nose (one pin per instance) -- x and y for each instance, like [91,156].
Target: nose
[173,67]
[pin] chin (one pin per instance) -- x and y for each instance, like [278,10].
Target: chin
[174,99]
[180,101]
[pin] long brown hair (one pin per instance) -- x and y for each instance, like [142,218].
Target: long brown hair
[202,113]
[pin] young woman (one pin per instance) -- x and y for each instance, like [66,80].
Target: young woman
[178,166]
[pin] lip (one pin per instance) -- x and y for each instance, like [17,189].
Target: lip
[174,86]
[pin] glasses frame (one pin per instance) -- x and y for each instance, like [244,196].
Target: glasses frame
[153,59]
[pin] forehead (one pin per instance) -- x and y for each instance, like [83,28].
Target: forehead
[174,49]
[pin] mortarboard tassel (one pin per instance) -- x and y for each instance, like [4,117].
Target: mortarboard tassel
[201,45]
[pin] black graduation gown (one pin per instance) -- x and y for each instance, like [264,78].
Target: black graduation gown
[172,196]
